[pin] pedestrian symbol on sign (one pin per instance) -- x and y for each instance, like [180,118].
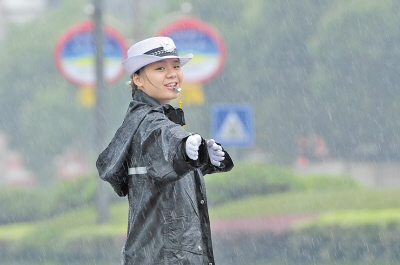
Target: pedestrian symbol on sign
[233,125]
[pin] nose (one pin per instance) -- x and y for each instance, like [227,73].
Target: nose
[172,74]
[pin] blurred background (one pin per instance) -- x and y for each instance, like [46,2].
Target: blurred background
[304,96]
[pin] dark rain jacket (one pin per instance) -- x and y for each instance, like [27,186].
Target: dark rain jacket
[146,160]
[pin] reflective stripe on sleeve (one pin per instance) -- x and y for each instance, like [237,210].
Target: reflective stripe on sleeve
[137,170]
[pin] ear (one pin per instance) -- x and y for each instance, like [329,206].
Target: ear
[137,79]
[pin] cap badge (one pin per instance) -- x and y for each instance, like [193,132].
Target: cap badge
[168,45]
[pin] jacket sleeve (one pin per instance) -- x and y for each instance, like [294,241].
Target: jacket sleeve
[226,164]
[163,145]
[111,165]
[112,162]
[117,181]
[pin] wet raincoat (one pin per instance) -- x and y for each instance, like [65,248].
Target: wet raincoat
[146,160]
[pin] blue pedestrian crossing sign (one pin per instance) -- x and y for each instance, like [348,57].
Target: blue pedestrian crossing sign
[232,125]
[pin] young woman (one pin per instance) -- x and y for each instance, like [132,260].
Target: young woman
[159,165]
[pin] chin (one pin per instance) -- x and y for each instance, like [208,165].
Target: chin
[167,100]
[173,96]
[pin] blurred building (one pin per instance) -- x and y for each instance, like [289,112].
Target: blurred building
[12,169]
[22,11]
[2,22]
[71,164]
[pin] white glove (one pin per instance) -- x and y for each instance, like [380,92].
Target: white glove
[192,146]
[215,152]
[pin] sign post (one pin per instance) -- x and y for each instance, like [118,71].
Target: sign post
[103,200]
[90,55]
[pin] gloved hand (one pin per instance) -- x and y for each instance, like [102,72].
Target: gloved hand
[192,146]
[215,152]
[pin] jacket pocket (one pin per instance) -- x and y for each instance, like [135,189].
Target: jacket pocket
[181,257]
[184,234]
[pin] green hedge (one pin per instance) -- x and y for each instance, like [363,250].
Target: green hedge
[308,202]
[246,180]
[352,237]
[32,204]
[67,231]
[249,179]
[20,205]
[326,182]
[65,239]
[346,243]
[71,194]
[347,237]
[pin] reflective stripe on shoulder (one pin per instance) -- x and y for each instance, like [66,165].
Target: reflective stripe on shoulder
[137,170]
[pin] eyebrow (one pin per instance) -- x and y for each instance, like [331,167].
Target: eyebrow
[164,61]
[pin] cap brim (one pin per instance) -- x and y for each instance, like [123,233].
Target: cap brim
[134,63]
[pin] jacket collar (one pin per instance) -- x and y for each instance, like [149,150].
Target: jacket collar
[174,114]
[143,97]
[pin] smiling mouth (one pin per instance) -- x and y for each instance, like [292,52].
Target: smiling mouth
[172,85]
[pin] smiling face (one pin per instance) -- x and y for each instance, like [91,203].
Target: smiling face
[159,79]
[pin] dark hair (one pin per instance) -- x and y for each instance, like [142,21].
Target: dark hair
[133,85]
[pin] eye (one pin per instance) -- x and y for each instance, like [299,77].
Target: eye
[177,66]
[160,68]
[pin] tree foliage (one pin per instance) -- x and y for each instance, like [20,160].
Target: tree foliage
[313,67]
[267,66]
[355,82]
[39,108]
